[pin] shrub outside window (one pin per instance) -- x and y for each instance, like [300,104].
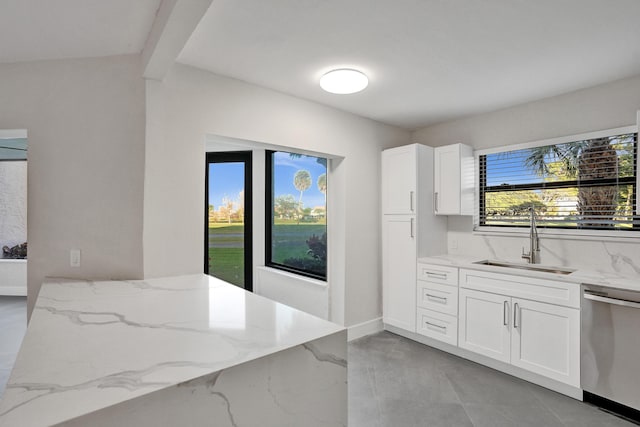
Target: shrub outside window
[296,227]
[586,184]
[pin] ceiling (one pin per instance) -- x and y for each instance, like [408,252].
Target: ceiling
[55,29]
[427,60]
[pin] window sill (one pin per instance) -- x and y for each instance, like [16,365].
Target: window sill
[299,277]
[590,235]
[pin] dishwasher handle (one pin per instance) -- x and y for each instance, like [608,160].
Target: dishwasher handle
[600,298]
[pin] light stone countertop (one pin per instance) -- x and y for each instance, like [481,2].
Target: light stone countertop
[579,276]
[90,344]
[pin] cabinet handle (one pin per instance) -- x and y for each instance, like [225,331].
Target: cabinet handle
[435,201]
[441,328]
[411,200]
[436,275]
[437,297]
[505,311]
[412,236]
[515,315]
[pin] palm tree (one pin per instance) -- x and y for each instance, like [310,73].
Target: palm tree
[584,160]
[322,185]
[598,161]
[302,182]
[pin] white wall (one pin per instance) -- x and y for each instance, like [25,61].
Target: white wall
[13,203]
[602,107]
[189,104]
[85,120]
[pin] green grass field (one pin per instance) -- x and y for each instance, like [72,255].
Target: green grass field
[227,264]
[290,240]
[226,252]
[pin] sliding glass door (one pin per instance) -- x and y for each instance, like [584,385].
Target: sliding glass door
[228,218]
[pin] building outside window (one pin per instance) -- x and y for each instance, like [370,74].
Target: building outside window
[584,184]
[296,227]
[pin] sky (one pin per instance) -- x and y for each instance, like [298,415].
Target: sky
[227,179]
[509,168]
[286,167]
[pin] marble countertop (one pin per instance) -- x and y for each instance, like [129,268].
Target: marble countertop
[578,276]
[90,345]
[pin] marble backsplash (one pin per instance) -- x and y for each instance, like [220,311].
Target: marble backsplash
[620,256]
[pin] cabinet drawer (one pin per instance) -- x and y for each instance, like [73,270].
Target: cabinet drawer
[439,326]
[437,297]
[535,289]
[438,274]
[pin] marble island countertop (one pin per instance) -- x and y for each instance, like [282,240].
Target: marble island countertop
[578,275]
[90,345]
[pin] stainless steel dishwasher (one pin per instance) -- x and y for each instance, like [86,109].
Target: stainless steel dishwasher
[610,349]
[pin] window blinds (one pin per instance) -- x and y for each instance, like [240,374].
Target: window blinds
[587,184]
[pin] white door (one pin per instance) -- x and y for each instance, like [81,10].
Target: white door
[399,180]
[545,339]
[484,324]
[399,271]
[447,179]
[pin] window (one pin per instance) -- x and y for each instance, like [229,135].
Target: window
[585,184]
[296,220]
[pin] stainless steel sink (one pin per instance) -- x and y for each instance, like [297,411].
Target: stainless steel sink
[532,267]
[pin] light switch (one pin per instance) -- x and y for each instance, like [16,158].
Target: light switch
[74,257]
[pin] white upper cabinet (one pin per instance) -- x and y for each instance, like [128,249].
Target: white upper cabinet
[399,172]
[454,180]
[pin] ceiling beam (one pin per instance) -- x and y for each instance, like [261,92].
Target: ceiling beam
[175,21]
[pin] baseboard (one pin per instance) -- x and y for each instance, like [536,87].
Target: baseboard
[365,328]
[14,291]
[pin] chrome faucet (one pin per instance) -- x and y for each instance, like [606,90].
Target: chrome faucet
[533,257]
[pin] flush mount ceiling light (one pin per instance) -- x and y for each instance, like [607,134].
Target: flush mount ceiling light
[344,81]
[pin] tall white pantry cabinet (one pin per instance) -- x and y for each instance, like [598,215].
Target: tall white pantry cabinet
[410,229]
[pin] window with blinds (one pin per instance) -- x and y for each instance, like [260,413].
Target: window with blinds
[588,184]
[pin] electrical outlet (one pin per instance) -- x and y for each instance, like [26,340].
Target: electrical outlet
[74,257]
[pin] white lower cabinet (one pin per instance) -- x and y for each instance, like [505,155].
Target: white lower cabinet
[539,337]
[437,302]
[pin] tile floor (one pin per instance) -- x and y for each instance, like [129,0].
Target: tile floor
[396,382]
[13,324]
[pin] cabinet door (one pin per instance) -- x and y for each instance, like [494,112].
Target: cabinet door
[447,185]
[399,180]
[399,272]
[484,324]
[545,339]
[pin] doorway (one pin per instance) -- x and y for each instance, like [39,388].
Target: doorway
[13,212]
[228,230]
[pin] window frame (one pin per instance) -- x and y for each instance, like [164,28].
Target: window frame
[499,229]
[245,157]
[269,208]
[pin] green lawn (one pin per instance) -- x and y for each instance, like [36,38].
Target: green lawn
[290,240]
[227,264]
[227,261]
